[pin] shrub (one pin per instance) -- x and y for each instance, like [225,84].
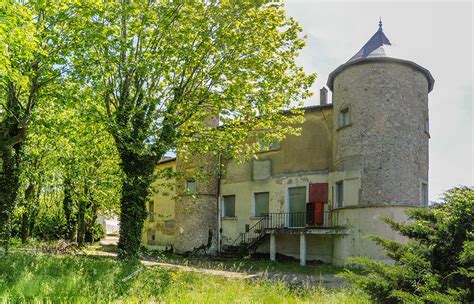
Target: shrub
[95,233]
[436,265]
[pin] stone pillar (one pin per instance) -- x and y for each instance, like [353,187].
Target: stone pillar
[272,247]
[302,249]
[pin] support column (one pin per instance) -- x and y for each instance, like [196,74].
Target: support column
[272,247]
[302,249]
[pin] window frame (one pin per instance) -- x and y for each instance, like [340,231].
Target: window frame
[224,209]
[255,202]
[274,145]
[344,118]
[339,194]
[186,186]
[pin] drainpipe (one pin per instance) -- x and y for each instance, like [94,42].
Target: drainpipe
[219,224]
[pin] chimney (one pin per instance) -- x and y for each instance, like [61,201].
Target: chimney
[323,96]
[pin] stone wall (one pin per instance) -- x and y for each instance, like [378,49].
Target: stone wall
[386,139]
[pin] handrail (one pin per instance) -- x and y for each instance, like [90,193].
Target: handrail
[275,221]
[251,229]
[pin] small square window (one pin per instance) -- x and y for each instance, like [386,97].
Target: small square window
[339,194]
[191,186]
[229,206]
[262,201]
[272,146]
[344,118]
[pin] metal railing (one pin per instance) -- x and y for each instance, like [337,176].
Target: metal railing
[276,221]
[253,233]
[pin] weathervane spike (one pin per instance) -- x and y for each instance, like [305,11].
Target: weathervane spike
[380,23]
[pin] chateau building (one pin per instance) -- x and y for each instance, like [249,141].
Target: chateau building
[318,195]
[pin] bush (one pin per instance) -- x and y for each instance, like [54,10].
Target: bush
[49,226]
[436,265]
[95,233]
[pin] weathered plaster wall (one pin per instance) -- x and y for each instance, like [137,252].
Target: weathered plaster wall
[360,222]
[311,151]
[244,199]
[301,160]
[386,140]
[163,225]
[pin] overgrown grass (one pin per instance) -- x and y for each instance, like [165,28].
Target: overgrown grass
[247,264]
[80,279]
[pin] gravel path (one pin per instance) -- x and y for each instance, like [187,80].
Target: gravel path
[325,281]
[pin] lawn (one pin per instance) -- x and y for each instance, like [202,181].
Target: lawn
[260,263]
[38,278]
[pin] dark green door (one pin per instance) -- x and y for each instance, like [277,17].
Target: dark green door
[297,202]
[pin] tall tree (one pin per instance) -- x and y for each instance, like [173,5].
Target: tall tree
[161,68]
[32,58]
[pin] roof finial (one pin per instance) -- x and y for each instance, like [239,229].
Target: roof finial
[380,24]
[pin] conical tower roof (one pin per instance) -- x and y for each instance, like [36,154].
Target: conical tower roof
[375,50]
[375,47]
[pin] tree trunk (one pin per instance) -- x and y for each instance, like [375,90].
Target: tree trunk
[136,183]
[9,183]
[81,225]
[68,207]
[24,227]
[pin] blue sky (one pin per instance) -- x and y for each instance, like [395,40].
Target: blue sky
[436,35]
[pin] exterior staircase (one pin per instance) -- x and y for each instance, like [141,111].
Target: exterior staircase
[247,242]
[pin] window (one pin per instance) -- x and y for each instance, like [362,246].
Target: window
[151,211]
[229,206]
[262,201]
[265,147]
[191,186]
[339,194]
[344,118]
[424,194]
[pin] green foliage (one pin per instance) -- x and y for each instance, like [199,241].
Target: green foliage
[436,265]
[164,71]
[80,279]
[34,47]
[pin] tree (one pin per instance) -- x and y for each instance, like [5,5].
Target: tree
[162,68]
[33,51]
[435,266]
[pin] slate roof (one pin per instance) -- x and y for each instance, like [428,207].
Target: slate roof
[375,51]
[375,47]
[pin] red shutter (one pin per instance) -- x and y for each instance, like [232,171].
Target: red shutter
[319,216]
[318,192]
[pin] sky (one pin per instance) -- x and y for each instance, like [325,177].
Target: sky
[437,35]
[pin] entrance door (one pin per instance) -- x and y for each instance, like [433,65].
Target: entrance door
[297,204]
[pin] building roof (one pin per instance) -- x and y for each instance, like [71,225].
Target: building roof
[375,50]
[375,47]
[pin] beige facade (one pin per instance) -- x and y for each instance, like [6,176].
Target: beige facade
[159,229]
[319,195]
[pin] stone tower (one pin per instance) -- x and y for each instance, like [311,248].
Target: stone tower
[380,138]
[197,203]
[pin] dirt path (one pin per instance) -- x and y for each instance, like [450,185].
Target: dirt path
[326,280]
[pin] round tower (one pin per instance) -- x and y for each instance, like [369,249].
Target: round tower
[196,209]
[380,141]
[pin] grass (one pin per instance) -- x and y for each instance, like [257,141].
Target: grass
[39,278]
